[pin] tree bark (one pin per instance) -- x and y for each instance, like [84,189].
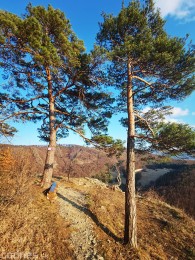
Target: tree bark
[50,158]
[130,232]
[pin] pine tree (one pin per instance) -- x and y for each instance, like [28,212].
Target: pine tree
[147,67]
[52,79]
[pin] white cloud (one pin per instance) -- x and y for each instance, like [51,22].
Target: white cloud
[176,115]
[177,111]
[172,120]
[146,109]
[181,9]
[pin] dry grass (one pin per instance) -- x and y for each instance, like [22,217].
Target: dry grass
[35,227]
[29,224]
[164,232]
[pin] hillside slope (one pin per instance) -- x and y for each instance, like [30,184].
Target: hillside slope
[164,232]
[178,188]
[77,161]
[87,220]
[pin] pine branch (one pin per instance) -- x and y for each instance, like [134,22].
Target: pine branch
[22,113]
[63,90]
[147,123]
[146,82]
[24,101]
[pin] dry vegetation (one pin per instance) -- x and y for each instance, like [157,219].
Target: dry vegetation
[29,225]
[75,161]
[164,232]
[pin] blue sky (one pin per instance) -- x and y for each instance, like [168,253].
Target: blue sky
[84,16]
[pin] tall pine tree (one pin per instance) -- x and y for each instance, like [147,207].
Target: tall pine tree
[50,78]
[147,67]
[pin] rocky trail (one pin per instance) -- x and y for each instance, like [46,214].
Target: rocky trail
[72,209]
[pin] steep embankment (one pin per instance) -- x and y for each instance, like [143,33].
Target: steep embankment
[177,188]
[96,215]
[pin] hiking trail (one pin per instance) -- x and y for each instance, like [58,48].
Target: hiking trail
[72,209]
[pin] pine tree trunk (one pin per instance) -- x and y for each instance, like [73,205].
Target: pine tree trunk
[130,233]
[49,162]
[50,158]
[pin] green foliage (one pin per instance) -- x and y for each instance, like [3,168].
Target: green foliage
[137,34]
[7,130]
[175,138]
[110,146]
[47,65]
[161,66]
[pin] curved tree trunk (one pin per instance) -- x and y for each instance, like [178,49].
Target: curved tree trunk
[50,158]
[130,233]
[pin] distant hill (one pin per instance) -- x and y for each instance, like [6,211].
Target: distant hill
[73,160]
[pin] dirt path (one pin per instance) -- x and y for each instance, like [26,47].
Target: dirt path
[82,239]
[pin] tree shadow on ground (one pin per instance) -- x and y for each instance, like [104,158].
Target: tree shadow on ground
[93,217]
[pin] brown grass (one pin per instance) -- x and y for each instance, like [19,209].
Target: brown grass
[164,232]
[29,224]
[35,227]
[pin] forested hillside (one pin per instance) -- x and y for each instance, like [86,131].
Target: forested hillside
[72,160]
[77,161]
[175,187]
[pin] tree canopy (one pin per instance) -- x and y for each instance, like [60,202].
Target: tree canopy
[159,67]
[5,129]
[175,138]
[50,77]
[40,46]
